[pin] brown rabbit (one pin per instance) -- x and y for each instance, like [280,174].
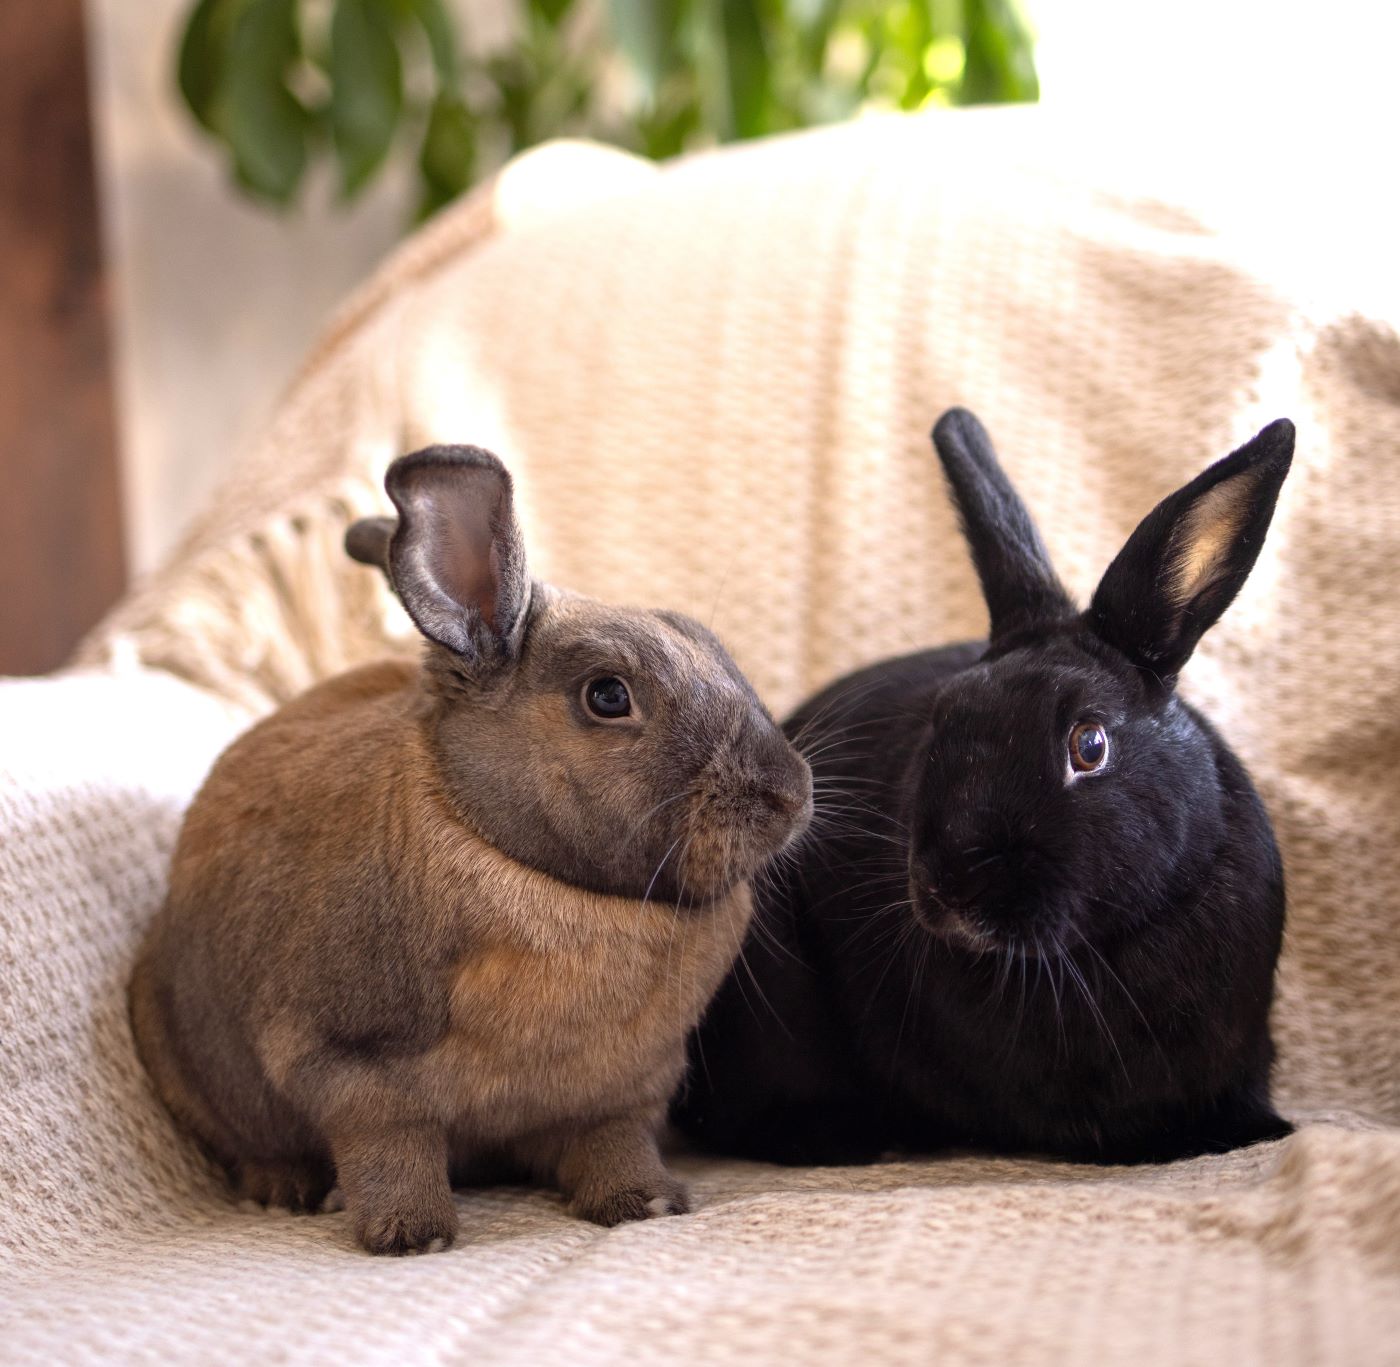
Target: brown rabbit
[434,923]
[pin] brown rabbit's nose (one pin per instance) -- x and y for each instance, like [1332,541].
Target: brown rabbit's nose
[779,779]
[783,801]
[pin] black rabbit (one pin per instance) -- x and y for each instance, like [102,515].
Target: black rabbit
[1050,917]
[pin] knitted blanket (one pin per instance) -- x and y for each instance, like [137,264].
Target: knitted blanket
[714,382]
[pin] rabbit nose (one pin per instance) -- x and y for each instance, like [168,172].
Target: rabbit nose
[968,881]
[785,790]
[940,894]
[783,801]
[781,780]
[960,894]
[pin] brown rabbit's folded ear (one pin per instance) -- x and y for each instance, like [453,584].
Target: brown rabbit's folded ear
[1190,556]
[456,558]
[368,541]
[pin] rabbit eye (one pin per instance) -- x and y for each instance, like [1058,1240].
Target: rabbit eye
[1088,746]
[607,698]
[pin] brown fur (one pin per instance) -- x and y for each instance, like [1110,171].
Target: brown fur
[350,983]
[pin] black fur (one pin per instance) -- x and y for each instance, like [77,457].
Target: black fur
[976,949]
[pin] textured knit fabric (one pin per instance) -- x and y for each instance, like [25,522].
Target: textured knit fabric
[714,384]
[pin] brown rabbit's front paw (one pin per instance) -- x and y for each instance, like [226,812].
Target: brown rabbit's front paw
[299,1187]
[635,1203]
[395,1233]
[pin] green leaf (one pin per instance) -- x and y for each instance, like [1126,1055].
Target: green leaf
[448,155]
[746,68]
[665,133]
[646,32]
[203,58]
[551,11]
[814,20]
[515,80]
[264,123]
[706,69]
[366,90]
[998,64]
[442,38]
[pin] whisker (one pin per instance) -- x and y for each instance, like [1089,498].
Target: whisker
[1104,1029]
[641,820]
[646,896]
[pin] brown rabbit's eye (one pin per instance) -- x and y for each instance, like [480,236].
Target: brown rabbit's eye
[1088,746]
[607,698]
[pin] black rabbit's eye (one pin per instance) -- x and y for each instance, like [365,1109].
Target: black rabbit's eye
[607,698]
[1088,746]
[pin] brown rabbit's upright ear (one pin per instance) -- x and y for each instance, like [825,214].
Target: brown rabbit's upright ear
[1018,582]
[456,558]
[1190,556]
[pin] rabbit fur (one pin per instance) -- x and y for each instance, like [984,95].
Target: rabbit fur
[1044,911]
[439,922]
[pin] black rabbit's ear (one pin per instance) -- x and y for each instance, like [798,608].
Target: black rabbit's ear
[1189,556]
[1017,581]
[456,558]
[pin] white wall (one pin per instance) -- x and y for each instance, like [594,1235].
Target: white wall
[214,299]
[1257,61]
[1282,108]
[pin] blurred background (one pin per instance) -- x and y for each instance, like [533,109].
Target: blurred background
[188,189]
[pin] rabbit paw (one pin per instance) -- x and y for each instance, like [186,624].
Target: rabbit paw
[299,1187]
[400,1232]
[617,1207]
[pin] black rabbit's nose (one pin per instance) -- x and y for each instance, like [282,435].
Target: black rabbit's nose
[965,883]
[963,893]
[940,896]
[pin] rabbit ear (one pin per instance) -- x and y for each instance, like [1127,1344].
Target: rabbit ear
[1017,581]
[1189,556]
[456,558]
[368,541]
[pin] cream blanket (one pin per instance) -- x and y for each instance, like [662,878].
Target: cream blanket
[715,383]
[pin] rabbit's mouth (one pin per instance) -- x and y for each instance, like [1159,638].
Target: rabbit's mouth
[955,922]
[971,923]
[733,836]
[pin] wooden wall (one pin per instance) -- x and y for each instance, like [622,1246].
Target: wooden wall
[60,523]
